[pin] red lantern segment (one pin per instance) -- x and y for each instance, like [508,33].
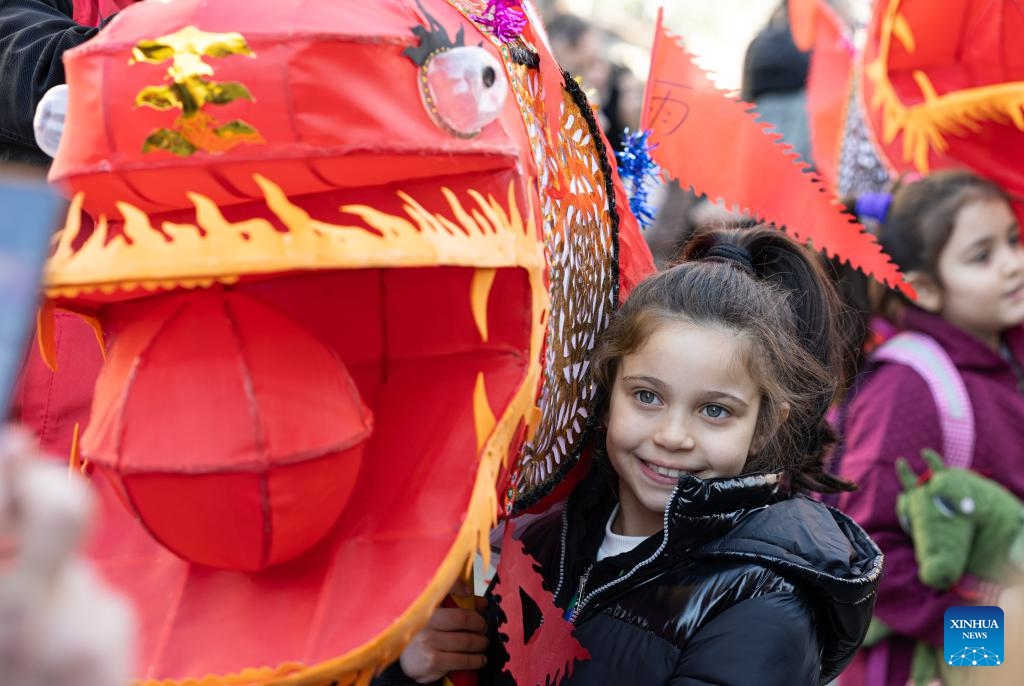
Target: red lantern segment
[268,429]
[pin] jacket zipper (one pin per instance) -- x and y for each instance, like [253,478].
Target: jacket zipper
[581,604]
[571,614]
[561,559]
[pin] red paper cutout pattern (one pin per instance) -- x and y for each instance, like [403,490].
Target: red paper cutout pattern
[528,663]
[698,130]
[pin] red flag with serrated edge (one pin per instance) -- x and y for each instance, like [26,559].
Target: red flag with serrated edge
[696,129]
[550,652]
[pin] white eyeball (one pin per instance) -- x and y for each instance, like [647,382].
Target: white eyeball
[48,122]
[967,505]
[463,89]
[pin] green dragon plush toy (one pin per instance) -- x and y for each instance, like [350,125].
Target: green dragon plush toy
[961,523]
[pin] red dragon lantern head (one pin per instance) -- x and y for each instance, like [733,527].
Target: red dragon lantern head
[346,260]
[942,87]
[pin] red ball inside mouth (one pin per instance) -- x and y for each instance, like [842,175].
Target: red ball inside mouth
[232,433]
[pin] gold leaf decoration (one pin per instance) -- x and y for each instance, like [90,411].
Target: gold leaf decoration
[159,98]
[190,91]
[169,140]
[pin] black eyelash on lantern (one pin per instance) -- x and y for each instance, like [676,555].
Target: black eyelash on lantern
[521,55]
[432,40]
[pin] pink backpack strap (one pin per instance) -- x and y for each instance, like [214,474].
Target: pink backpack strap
[925,356]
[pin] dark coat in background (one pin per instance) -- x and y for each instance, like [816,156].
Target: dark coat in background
[34,34]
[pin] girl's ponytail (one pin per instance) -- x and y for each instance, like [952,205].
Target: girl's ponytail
[808,369]
[777,259]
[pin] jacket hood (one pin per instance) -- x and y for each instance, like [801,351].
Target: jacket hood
[822,551]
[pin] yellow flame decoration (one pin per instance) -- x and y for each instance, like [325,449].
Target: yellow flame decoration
[483,234]
[926,125]
[215,250]
[480,291]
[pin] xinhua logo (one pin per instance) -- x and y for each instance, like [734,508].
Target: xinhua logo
[974,636]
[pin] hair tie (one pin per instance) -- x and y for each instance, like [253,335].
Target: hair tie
[731,253]
[873,206]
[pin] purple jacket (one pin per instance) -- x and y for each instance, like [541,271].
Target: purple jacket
[892,416]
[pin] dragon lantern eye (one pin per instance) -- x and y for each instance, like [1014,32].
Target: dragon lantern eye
[967,505]
[464,89]
[944,505]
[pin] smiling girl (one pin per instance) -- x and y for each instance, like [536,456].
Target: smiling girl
[955,237]
[690,554]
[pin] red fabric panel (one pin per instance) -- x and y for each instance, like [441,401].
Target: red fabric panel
[828,90]
[306,499]
[178,511]
[959,46]
[305,400]
[90,12]
[189,384]
[296,103]
[49,403]
[938,31]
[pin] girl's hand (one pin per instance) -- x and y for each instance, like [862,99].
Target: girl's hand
[454,640]
[59,623]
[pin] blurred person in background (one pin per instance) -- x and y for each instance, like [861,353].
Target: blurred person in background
[579,47]
[955,237]
[774,79]
[34,34]
[623,103]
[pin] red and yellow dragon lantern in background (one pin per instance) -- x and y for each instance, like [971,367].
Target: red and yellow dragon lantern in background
[936,85]
[345,260]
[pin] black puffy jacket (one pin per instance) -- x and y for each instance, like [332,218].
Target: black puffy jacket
[744,585]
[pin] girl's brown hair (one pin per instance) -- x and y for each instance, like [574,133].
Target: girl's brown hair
[921,217]
[784,308]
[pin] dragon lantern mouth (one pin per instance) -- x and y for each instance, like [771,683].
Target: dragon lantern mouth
[434,301]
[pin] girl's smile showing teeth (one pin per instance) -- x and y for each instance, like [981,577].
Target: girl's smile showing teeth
[672,474]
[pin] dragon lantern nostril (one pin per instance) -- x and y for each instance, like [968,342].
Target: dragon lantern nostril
[488,76]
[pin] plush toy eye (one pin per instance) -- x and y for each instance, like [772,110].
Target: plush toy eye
[944,505]
[905,523]
[967,505]
[464,89]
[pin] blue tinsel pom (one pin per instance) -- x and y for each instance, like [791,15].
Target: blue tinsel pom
[636,167]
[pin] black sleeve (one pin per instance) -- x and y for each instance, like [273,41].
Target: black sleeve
[394,676]
[769,641]
[33,36]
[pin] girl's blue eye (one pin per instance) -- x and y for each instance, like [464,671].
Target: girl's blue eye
[981,258]
[646,397]
[716,411]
